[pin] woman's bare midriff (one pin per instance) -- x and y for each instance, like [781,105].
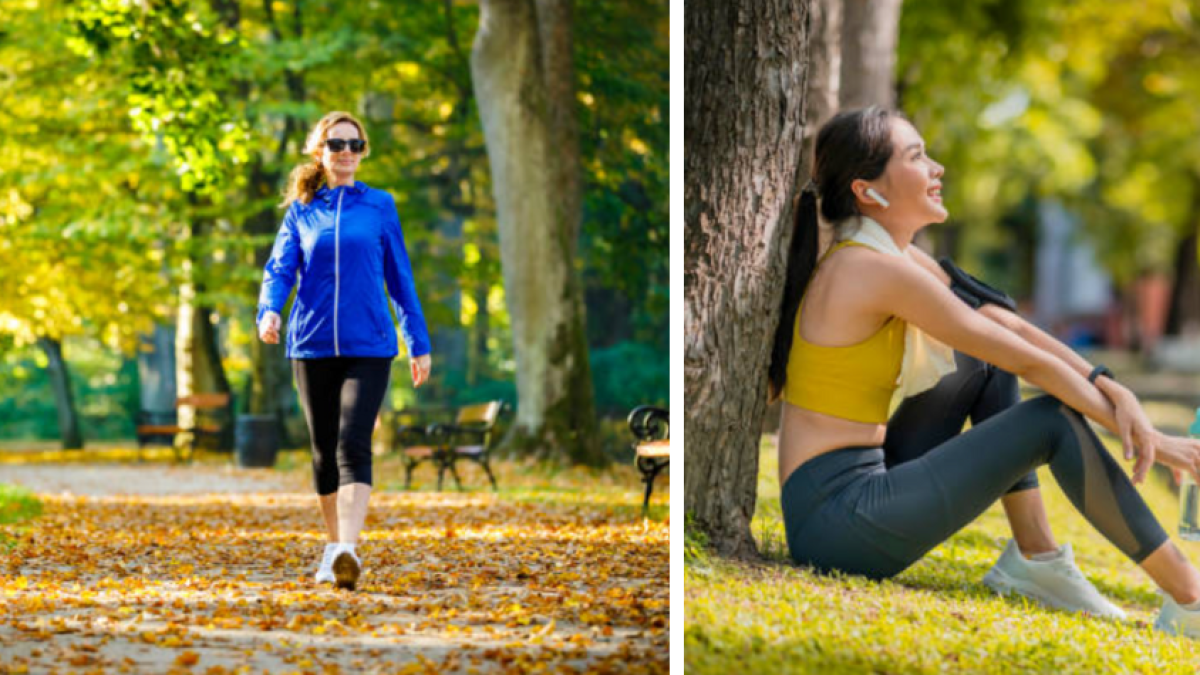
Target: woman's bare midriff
[804,434]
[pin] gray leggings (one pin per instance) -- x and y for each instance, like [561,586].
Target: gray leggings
[849,510]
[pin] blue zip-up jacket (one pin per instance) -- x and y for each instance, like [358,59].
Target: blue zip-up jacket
[345,245]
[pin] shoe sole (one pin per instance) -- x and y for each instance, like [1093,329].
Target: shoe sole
[346,571]
[1003,584]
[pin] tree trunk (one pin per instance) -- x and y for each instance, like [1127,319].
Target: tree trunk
[824,87]
[523,75]
[64,400]
[744,120]
[1183,318]
[267,362]
[197,358]
[477,362]
[870,29]
[156,370]
[451,338]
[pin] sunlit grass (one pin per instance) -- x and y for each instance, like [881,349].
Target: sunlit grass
[17,505]
[935,617]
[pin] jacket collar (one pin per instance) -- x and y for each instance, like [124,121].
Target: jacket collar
[327,194]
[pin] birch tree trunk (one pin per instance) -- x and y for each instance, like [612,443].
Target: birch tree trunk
[746,71]
[197,358]
[870,29]
[521,65]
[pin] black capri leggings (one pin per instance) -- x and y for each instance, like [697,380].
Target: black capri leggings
[848,510]
[341,398]
[976,390]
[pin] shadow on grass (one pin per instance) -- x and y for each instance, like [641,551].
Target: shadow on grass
[955,569]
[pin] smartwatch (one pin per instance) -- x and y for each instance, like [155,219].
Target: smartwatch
[1101,370]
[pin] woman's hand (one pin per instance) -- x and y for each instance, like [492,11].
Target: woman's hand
[268,329]
[1137,433]
[420,369]
[1180,453]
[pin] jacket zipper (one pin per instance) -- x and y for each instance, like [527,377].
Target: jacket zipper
[337,270]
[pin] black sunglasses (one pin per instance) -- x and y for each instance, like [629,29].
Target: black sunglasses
[357,145]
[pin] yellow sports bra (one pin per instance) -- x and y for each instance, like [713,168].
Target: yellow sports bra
[854,382]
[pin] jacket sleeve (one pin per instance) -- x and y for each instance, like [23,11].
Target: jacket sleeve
[397,274]
[280,273]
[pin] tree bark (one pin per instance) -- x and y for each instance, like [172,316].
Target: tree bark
[197,357]
[523,75]
[746,71]
[156,370]
[1183,317]
[477,362]
[64,400]
[870,29]
[1184,314]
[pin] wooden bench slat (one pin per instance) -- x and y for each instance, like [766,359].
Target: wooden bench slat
[203,400]
[654,449]
[482,413]
[469,449]
[158,429]
[419,451]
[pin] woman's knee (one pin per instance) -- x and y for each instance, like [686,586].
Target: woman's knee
[1046,409]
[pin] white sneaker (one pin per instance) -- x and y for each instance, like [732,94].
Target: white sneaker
[325,571]
[346,567]
[1175,620]
[1055,583]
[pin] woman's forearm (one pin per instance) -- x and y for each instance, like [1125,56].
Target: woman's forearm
[1111,389]
[1037,337]
[1054,376]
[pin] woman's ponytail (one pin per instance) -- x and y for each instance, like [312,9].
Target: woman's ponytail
[303,183]
[801,260]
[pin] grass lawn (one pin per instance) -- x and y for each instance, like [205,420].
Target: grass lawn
[935,617]
[17,505]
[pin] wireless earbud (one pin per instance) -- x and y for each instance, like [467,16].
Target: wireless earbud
[877,197]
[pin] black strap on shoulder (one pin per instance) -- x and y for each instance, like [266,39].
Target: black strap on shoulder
[973,291]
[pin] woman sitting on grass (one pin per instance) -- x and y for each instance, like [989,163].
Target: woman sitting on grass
[877,317]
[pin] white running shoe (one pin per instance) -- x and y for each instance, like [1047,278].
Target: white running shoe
[325,571]
[1175,620]
[1055,583]
[346,567]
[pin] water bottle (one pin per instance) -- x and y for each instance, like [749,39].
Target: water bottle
[1189,497]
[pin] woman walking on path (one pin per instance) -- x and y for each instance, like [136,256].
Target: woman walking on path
[875,320]
[344,240]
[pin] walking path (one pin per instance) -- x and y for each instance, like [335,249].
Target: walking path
[208,569]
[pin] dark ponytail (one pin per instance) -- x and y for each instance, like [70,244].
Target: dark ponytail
[852,145]
[801,260]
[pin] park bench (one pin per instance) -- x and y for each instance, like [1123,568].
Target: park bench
[211,420]
[652,445]
[469,437]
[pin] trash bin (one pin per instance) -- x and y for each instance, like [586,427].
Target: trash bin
[256,439]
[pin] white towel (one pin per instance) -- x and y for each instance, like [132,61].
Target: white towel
[926,360]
